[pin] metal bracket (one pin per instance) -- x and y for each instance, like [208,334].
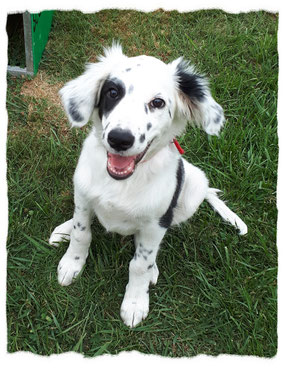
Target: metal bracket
[29,69]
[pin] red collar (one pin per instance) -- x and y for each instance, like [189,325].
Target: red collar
[181,151]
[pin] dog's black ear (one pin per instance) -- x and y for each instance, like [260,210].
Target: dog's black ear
[194,99]
[81,95]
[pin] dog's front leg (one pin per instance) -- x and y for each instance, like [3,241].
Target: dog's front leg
[142,271]
[80,239]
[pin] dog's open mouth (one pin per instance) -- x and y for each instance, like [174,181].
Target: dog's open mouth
[121,167]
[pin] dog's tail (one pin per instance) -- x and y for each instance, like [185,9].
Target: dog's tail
[224,211]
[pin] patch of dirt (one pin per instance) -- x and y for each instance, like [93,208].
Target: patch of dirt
[40,88]
[45,110]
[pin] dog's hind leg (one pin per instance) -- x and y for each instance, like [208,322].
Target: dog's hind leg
[194,190]
[61,233]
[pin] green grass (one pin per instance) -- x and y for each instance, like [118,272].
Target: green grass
[217,291]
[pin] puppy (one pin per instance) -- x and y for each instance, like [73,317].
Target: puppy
[130,173]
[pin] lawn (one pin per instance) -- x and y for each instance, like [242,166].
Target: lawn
[217,291]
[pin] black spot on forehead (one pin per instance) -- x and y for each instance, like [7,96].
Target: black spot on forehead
[128,69]
[149,126]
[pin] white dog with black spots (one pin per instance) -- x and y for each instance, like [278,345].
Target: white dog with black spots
[130,173]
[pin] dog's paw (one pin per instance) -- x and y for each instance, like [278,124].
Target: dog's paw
[61,233]
[57,238]
[134,308]
[69,268]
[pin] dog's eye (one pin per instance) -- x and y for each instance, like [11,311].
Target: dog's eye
[112,93]
[157,103]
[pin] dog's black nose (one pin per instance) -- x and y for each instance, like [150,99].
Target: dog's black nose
[120,139]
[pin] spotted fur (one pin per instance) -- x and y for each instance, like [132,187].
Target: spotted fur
[130,174]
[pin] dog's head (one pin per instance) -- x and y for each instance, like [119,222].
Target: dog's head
[138,105]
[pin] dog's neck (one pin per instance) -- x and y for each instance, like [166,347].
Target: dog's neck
[171,143]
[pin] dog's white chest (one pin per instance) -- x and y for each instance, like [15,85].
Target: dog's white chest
[125,210]
[118,220]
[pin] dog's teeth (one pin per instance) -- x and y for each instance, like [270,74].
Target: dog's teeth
[127,170]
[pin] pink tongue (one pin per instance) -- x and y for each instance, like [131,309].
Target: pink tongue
[120,162]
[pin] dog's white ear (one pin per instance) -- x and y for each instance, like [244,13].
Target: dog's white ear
[81,95]
[194,100]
